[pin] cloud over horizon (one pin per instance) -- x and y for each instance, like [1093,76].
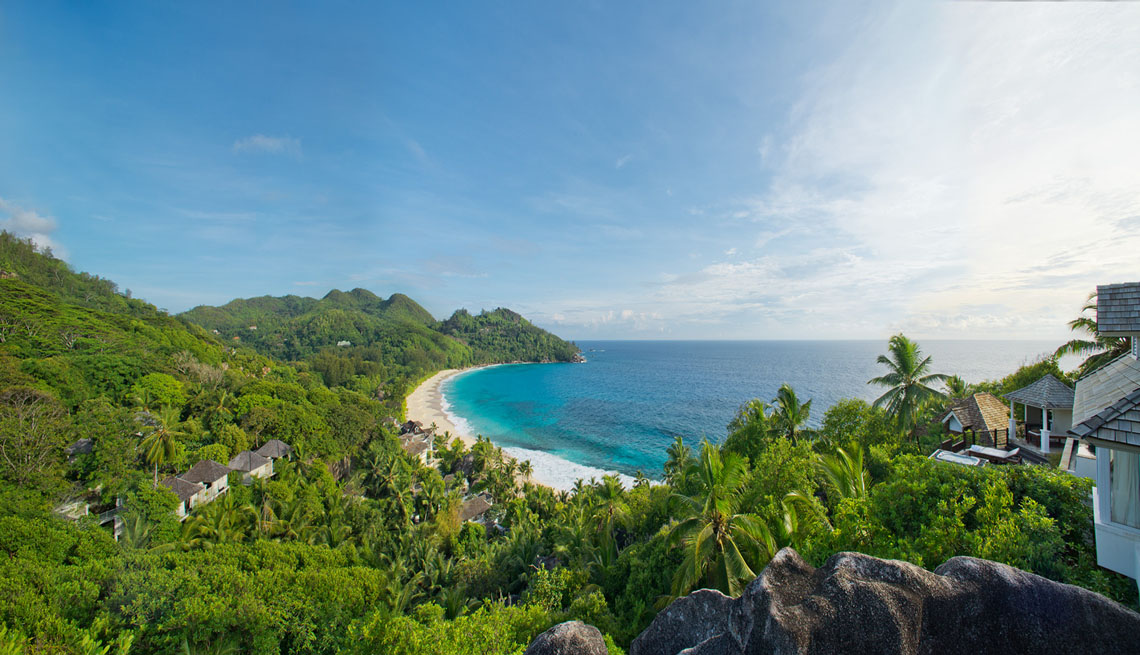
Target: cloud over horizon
[29,224]
[274,145]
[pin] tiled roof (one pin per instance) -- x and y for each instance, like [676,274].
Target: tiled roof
[1048,392]
[1105,386]
[1119,422]
[184,489]
[247,461]
[206,470]
[983,413]
[1118,309]
[275,448]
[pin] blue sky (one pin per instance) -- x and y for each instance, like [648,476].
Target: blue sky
[650,170]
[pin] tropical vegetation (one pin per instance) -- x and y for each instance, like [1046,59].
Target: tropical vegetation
[355,546]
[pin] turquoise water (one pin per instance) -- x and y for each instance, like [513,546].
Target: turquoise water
[622,409]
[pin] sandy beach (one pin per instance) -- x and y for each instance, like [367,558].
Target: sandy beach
[425,405]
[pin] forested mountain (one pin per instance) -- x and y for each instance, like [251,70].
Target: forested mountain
[357,333]
[503,335]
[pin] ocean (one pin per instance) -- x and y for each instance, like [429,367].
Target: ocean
[620,410]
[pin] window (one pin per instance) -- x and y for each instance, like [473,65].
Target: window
[1124,483]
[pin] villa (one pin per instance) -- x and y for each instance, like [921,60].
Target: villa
[1106,414]
[275,449]
[982,416]
[190,494]
[213,475]
[251,465]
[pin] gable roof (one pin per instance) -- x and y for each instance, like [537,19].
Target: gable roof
[206,470]
[1104,386]
[275,448]
[1118,309]
[1048,392]
[184,489]
[982,412]
[1119,422]
[247,461]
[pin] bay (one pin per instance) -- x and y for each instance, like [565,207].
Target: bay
[620,411]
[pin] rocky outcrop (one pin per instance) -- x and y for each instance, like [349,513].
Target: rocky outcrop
[569,638]
[856,603]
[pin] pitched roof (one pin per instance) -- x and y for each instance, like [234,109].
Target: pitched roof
[1118,309]
[982,412]
[184,489]
[474,508]
[247,461]
[1105,386]
[1119,422]
[206,470]
[275,448]
[1048,392]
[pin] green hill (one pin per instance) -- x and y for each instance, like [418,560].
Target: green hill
[359,337]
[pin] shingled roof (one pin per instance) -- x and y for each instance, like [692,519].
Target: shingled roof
[275,448]
[1119,422]
[1118,309]
[1048,393]
[184,489]
[474,508]
[247,461]
[984,413]
[1104,386]
[206,470]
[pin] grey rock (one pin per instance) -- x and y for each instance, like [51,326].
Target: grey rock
[856,603]
[569,638]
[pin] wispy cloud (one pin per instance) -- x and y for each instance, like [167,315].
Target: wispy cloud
[622,161]
[30,224]
[273,145]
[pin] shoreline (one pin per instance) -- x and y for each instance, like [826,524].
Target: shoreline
[426,404]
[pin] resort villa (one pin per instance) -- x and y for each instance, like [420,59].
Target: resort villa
[251,465]
[208,479]
[982,416]
[1106,414]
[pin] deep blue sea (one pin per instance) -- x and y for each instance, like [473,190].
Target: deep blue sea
[622,409]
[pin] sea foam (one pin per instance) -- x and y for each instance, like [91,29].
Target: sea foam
[549,469]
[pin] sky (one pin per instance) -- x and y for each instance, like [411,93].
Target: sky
[777,170]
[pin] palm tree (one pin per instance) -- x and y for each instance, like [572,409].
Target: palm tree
[908,379]
[845,473]
[679,461]
[1097,349]
[526,469]
[956,387]
[610,508]
[723,545]
[159,446]
[790,414]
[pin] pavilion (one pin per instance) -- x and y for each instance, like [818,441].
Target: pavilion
[1048,410]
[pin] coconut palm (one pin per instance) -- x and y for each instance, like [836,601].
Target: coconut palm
[789,412]
[956,387]
[160,445]
[1098,350]
[723,545]
[909,380]
[845,473]
[680,458]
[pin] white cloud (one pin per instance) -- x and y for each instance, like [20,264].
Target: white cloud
[274,145]
[730,252]
[29,224]
[622,161]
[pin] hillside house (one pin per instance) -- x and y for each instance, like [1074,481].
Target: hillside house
[982,417]
[211,474]
[275,449]
[1048,413]
[190,494]
[251,465]
[1106,414]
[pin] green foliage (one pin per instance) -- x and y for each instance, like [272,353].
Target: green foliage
[504,336]
[158,390]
